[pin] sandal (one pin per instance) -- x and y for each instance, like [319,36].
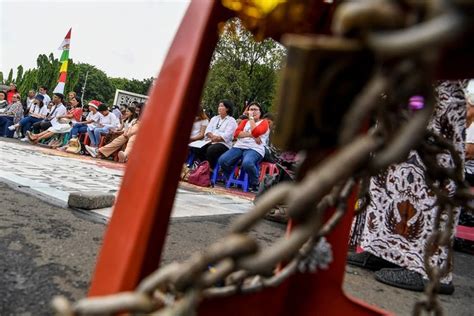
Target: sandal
[368,261]
[409,280]
[31,137]
[277,214]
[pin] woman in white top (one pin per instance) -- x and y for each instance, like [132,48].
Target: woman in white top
[92,118]
[127,120]
[252,135]
[199,126]
[37,113]
[219,133]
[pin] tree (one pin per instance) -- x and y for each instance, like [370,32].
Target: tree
[134,85]
[28,82]
[1,77]
[242,69]
[19,75]
[10,77]
[98,87]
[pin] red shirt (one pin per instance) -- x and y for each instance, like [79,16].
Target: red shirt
[10,94]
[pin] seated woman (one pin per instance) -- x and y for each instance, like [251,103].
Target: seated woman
[61,124]
[127,138]
[199,126]
[92,118]
[219,133]
[127,119]
[12,115]
[36,113]
[251,137]
[108,122]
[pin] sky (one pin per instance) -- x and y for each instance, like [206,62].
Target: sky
[127,39]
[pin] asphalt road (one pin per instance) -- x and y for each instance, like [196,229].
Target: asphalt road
[47,250]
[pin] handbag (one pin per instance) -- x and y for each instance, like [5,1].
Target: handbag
[74,146]
[201,176]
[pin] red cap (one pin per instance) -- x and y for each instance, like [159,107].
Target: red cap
[94,103]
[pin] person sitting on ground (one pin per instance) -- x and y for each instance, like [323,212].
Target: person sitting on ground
[3,100]
[70,96]
[219,133]
[62,124]
[58,109]
[36,113]
[11,92]
[126,121]
[43,90]
[29,100]
[199,126]
[91,120]
[116,111]
[12,115]
[126,139]
[107,122]
[251,137]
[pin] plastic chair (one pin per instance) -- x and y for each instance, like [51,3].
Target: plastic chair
[239,177]
[241,180]
[267,167]
[215,175]
[190,159]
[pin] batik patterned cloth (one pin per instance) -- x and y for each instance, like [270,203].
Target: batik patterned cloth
[399,218]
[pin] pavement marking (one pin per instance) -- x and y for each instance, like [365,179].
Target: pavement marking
[52,174]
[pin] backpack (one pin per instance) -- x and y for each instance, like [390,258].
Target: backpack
[201,175]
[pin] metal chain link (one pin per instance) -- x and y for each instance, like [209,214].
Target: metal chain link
[239,263]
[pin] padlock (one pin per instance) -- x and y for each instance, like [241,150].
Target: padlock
[319,82]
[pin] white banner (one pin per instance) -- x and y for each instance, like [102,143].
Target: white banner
[126,97]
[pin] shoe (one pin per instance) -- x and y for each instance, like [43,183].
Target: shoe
[12,127]
[92,151]
[253,189]
[122,157]
[368,261]
[409,280]
[24,139]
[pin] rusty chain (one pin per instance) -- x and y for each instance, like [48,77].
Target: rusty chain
[402,70]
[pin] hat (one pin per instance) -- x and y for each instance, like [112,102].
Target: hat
[94,103]
[39,97]
[103,107]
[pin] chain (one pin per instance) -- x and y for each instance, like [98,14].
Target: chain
[239,265]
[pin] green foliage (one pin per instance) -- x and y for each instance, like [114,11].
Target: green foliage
[29,81]
[134,85]
[19,75]
[98,87]
[10,77]
[1,78]
[242,69]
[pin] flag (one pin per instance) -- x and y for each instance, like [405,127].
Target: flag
[64,63]
[66,42]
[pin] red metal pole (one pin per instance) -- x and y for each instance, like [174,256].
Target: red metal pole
[134,240]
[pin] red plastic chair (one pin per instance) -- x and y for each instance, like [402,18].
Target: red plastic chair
[267,168]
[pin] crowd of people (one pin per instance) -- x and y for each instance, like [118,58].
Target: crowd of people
[67,124]
[102,132]
[393,231]
[226,142]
